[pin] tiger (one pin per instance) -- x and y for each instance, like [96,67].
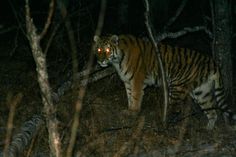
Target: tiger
[188,72]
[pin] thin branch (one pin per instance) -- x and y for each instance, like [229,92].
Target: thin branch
[101,18]
[15,43]
[213,28]
[82,90]
[9,29]
[17,18]
[53,34]
[163,75]
[13,105]
[51,38]
[49,19]
[71,36]
[178,12]
[183,32]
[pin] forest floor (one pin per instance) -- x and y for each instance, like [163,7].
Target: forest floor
[105,129]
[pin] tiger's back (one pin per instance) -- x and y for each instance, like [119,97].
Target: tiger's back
[187,72]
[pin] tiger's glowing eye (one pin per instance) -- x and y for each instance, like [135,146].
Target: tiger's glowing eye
[99,50]
[107,50]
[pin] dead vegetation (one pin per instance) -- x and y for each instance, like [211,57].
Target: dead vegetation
[105,130]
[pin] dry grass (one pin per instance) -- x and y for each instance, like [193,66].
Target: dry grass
[106,131]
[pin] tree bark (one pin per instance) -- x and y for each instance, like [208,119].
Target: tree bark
[222,42]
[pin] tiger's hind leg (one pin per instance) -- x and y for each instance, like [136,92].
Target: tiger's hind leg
[220,98]
[204,96]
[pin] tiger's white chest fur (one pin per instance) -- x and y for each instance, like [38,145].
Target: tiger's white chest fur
[124,77]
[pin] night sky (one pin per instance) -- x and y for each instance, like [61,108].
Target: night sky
[122,17]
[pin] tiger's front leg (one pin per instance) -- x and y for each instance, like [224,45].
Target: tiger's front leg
[135,94]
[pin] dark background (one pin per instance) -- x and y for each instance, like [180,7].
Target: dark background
[122,17]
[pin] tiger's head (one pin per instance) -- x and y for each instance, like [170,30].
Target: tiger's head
[106,50]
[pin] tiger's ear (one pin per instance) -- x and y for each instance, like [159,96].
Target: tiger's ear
[96,38]
[115,39]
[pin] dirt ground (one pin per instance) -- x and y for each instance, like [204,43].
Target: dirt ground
[104,128]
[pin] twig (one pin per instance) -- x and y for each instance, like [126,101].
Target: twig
[15,43]
[49,19]
[52,35]
[82,90]
[13,105]
[40,60]
[71,37]
[213,29]
[163,75]
[51,38]
[101,18]
[9,29]
[178,12]
[17,18]
[183,32]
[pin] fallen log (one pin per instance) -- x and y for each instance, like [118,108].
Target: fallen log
[95,75]
[23,138]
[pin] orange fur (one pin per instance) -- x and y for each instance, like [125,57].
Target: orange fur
[188,72]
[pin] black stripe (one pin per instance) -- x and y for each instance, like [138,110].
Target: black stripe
[187,67]
[219,89]
[207,95]
[122,58]
[139,44]
[127,63]
[144,48]
[134,97]
[124,40]
[220,102]
[179,66]
[208,66]
[173,63]
[152,57]
[203,103]
[198,93]
[221,93]
[131,40]
[137,67]
[190,67]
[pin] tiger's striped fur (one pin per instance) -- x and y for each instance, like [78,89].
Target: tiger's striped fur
[188,72]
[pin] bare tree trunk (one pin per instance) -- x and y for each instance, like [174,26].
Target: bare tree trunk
[41,68]
[222,42]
